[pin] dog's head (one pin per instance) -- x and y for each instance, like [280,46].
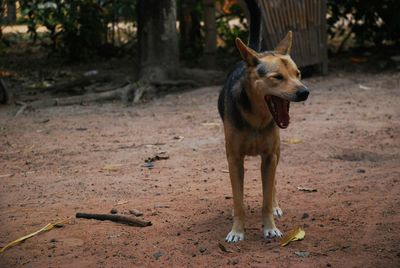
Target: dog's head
[274,77]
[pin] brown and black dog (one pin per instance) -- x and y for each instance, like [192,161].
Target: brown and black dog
[253,105]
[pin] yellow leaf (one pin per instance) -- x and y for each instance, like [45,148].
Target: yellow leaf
[293,141]
[112,167]
[48,227]
[294,235]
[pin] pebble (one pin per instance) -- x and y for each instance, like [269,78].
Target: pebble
[157,255]
[202,249]
[114,211]
[136,212]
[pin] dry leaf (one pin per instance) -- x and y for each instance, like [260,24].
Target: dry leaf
[294,235]
[211,124]
[122,202]
[305,189]
[48,227]
[292,141]
[112,167]
[223,248]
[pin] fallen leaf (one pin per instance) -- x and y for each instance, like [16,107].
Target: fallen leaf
[46,228]
[294,235]
[112,167]
[160,206]
[364,87]
[305,189]
[157,157]
[292,141]
[122,202]
[223,248]
[179,138]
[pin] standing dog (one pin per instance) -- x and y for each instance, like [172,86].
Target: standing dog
[253,105]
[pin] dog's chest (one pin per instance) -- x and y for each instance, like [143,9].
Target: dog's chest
[260,143]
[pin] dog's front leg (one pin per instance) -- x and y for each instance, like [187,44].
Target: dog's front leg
[236,173]
[268,168]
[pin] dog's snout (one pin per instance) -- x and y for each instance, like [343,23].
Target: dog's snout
[302,94]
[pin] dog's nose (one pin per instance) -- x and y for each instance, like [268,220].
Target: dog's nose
[302,94]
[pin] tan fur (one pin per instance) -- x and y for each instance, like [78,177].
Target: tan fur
[265,141]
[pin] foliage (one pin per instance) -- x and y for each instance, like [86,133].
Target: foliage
[77,28]
[373,21]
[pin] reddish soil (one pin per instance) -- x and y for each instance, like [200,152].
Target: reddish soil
[58,161]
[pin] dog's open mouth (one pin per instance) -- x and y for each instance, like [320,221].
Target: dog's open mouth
[279,109]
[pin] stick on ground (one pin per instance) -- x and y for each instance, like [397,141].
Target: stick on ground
[116,218]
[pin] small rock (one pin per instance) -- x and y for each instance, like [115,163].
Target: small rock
[148,165]
[136,212]
[202,249]
[53,240]
[305,216]
[114,211]
[157,255]
[233,261]
[360,170]
[303,254]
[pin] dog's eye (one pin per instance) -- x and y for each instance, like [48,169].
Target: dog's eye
[278,77]
[298,74]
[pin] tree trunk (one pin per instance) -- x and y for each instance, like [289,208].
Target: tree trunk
[158,38]
[189,28]
[11,11]
[210,27]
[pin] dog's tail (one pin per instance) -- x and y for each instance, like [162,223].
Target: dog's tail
[255,24]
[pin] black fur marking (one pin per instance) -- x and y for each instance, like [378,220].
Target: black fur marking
[261,70]
[229,100]
[243,100]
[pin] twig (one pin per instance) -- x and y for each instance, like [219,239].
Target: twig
[116,218]
[22,109]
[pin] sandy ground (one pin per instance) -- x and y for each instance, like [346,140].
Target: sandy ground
[58,161]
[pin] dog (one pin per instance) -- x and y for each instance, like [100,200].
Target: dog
[254,106]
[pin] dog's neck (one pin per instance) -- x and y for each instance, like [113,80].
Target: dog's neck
[253,107]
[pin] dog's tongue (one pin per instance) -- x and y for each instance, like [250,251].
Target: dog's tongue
[281,115]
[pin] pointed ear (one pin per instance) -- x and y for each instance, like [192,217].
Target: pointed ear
[248,55]
[285,45]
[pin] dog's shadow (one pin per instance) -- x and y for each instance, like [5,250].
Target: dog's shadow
[215,224]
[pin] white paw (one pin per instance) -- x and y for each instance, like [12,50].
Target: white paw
[278,212]
[270,233]
[234,237]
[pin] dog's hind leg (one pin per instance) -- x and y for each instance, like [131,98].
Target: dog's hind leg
[236,173]
[268,168]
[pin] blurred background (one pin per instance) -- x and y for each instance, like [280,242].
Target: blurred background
[173,45]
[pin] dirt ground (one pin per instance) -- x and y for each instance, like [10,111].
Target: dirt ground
[343,142]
